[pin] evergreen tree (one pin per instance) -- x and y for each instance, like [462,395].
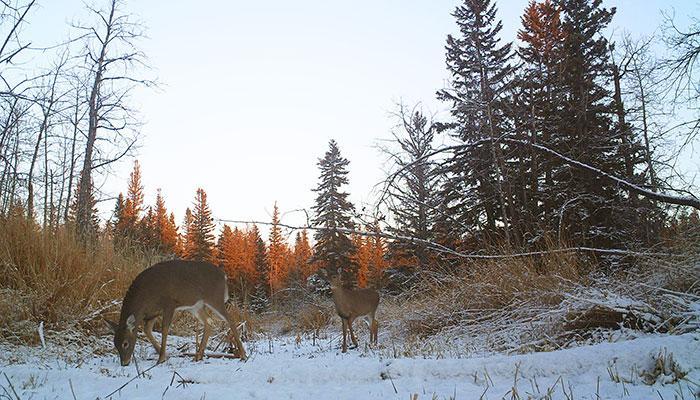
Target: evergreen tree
[90,229]
[476,191]
[377,249]
[225,252]
[303,268]
[118,221]
[333,212]
[591,210]
[261,297]
[133,205]
[539,97]
[202,228]
[276,254]
[361,257]
[186,239]
[146,230]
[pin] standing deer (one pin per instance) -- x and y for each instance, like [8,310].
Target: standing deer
[165,288]
[350,304]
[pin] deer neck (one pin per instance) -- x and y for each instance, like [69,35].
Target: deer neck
[131,306]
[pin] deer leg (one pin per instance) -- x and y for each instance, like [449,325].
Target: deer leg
[345,335]
[202,316]
[352,332]
[148,330]
[373,329]
[167,319]
[220,311]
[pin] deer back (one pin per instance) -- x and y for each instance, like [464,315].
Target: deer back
[355,303]
[171,285]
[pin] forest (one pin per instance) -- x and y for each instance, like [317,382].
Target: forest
[552,206]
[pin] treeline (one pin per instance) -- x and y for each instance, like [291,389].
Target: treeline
[523,122]
[257,269]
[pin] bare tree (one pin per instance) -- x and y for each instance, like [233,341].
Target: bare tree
[48,102]
[412,199]
[681,71]
[111,55]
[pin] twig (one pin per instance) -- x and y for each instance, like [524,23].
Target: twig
[70,383]
[131,380]
[211,355]
[11,387]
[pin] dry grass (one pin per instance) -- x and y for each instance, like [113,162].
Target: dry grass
[500,290]
[508,304]
[49,276]
[541,304]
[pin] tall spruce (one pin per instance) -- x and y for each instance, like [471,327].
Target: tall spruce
[202,230]
[476,193]
[261,296]
[333,212]
[590,210]
[538,98]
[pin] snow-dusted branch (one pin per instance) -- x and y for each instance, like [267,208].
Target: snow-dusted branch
[690,201]
[664,198]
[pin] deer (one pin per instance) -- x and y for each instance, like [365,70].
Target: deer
[161,291]
[353,303]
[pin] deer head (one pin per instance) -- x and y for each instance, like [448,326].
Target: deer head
[124,338]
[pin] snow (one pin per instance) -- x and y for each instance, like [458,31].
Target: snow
[282,368]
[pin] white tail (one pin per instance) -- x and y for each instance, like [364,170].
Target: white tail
[350,304]
[165,288]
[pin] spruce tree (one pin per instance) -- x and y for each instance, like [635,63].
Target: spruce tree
[539,95]
[590,208]
[276,254]
[476,191]
[333,214]
[202,226]
[302,255]
[261,297]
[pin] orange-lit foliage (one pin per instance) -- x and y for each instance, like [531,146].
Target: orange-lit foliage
[154,230]
[250,250]
[164,226]
[370,257]
[542,32]
[377,252]
[302,255]
[133,205]
[185,239]
[362,259]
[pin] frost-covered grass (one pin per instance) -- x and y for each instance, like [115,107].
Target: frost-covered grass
[654,367]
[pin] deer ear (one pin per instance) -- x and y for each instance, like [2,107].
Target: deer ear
[111,325]
[131,322]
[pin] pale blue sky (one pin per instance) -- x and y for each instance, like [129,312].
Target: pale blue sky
[253,90]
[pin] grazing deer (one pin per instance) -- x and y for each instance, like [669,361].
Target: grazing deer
[165,288]
[350,304]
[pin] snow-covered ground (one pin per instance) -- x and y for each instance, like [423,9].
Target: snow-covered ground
[281,368]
